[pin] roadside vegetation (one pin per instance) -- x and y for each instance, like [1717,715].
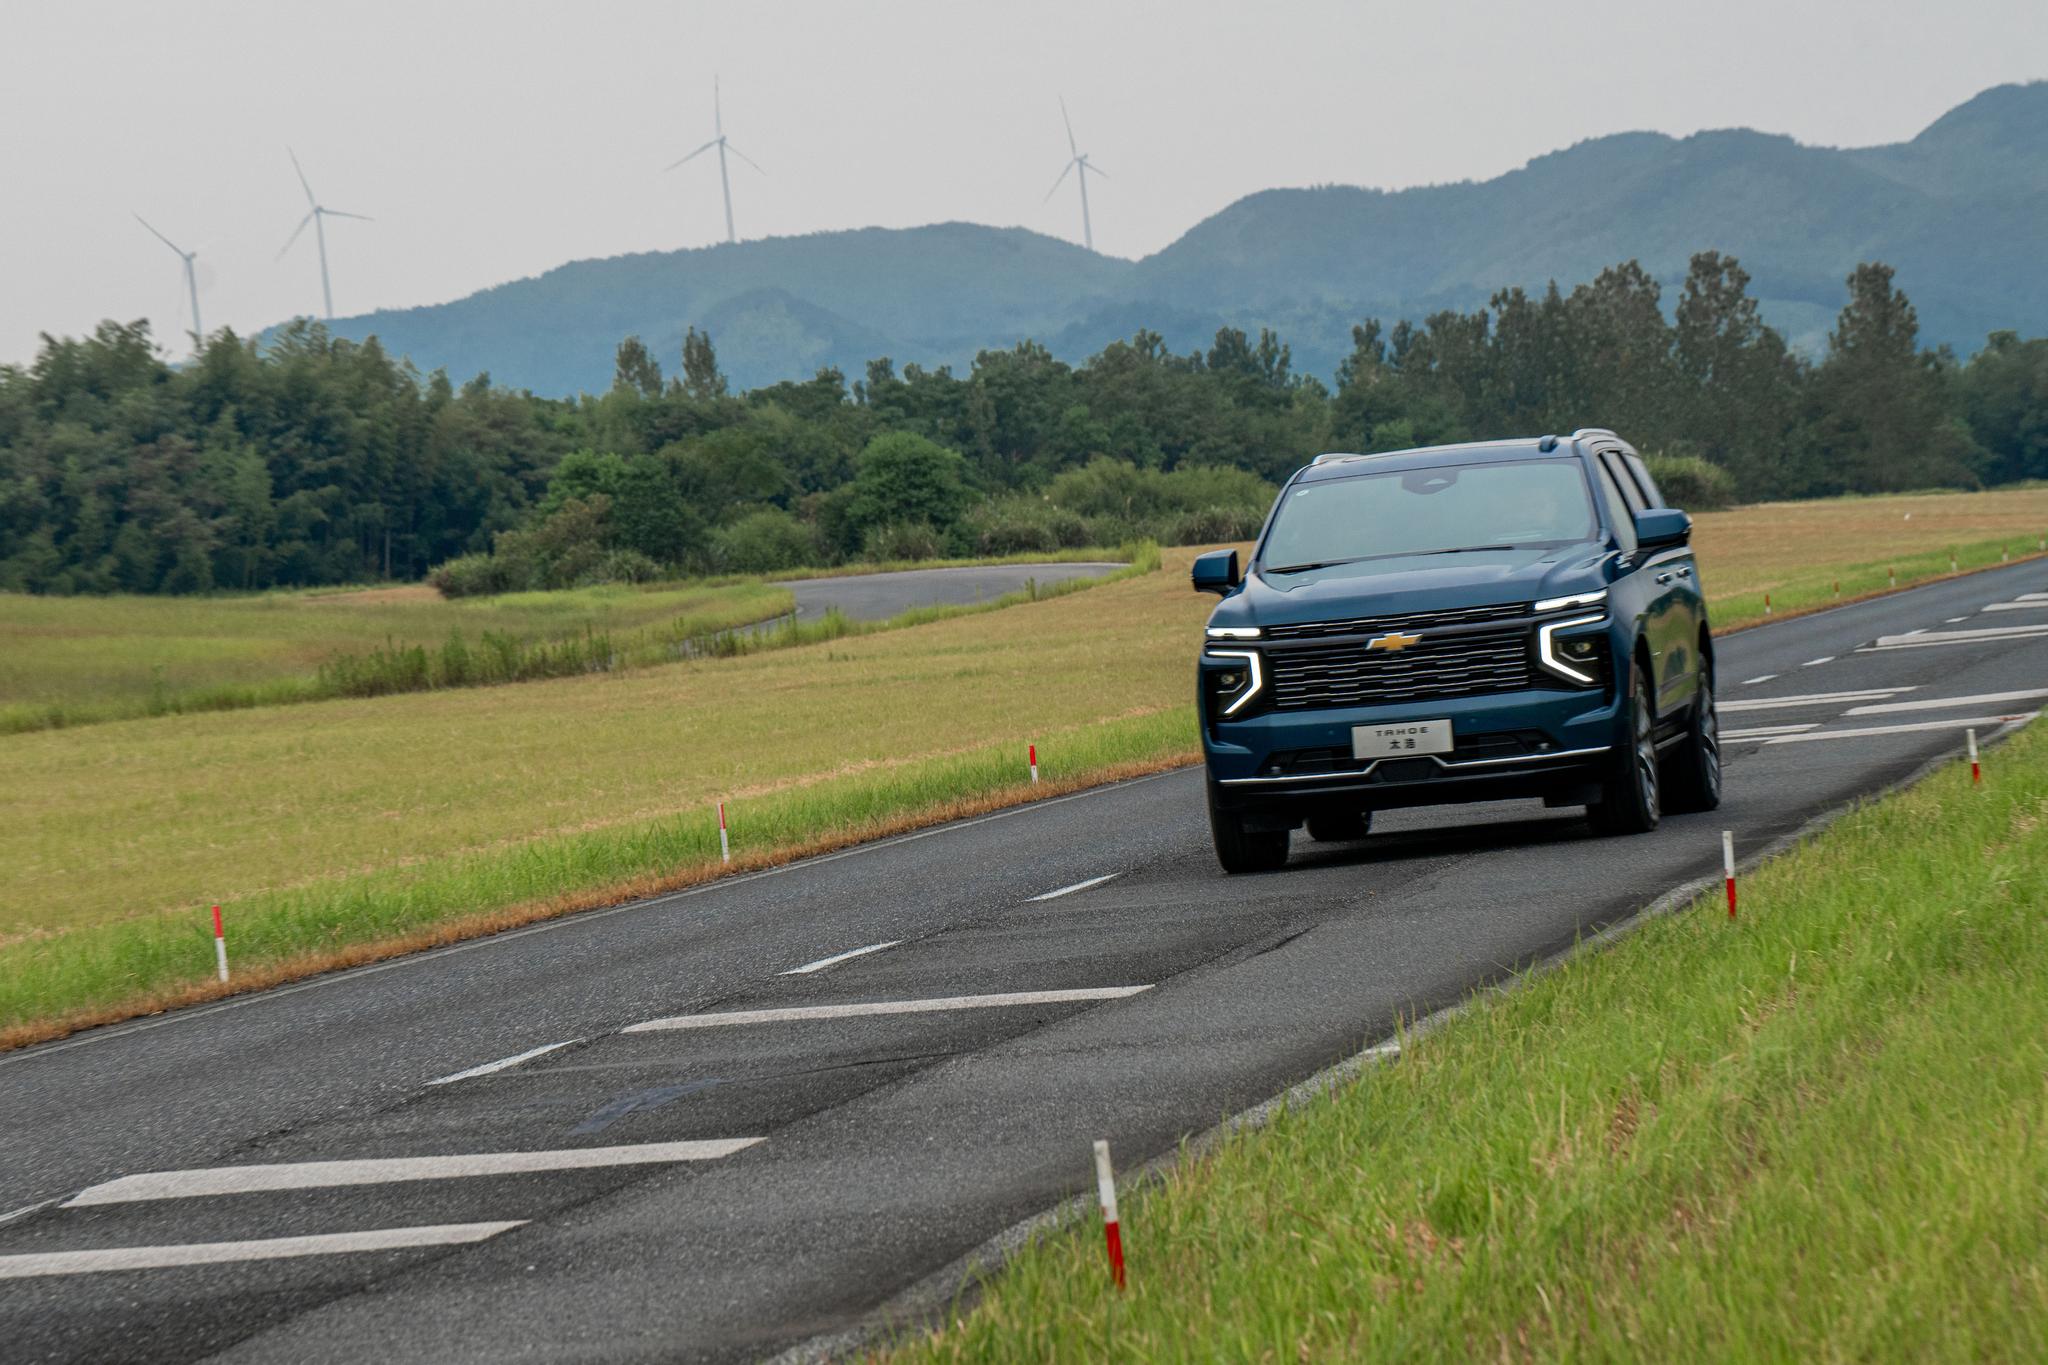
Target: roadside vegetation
[355,828]
[1815,1133]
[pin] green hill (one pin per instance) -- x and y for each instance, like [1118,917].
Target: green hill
[1958,210]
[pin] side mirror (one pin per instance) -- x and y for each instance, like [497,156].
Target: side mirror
[1217,572]
[1659,528]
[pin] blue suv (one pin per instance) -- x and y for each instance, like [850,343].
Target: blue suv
[1460,623]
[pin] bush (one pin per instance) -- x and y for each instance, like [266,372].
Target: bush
[766,541]
[1023,525]
[624,566]
[1210,525]
[903,541]
[475,576]
[1692,483]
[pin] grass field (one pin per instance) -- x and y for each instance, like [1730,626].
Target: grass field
[74,660]
[1817,1133]
[345,829]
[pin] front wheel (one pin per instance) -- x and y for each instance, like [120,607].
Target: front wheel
[1696,767]
[1632,802]
[1243,850]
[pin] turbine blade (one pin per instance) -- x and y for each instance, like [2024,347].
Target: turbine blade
[158,235]
[1071,145]
[1061,181]
[1093,169]
[744,157]
[337,213]
[311,202]
[693,155]
[295,235]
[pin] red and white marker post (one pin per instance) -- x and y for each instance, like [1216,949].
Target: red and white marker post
[1893,575]
[1728,867]
[1976,772]
[1838,589]
[724,845]
[1031,756]
[1112,1235]
[220,945]
[1767,604]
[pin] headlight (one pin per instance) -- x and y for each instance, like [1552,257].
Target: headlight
[1578,659]
[1584,599]
[1233,632]
[1227,690]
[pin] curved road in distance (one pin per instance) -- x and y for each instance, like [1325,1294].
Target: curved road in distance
[879,596]
[713,1124]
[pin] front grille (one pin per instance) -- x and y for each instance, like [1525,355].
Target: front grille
[1352,675]
[1408,622]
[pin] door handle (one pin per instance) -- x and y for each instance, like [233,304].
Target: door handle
[1685,573]
[1663,578]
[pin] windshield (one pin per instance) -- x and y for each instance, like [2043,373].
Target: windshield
[1496,505]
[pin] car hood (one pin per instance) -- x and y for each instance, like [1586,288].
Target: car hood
[1406,583]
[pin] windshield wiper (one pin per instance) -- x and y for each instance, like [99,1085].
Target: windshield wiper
[1319,564]
[1467,549]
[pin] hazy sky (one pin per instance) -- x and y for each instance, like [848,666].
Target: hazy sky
[495,140]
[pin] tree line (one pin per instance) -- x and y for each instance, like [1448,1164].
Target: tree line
[312,460]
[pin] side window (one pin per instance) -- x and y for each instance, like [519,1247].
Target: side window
[1611,462]
[1649,485]
[1618,514]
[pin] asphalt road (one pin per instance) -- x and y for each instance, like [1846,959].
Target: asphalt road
[879,596]
[883,1145]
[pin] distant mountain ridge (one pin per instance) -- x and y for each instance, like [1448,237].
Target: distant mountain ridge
[1959,210]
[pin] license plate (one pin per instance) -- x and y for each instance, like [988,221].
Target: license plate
[1401,738]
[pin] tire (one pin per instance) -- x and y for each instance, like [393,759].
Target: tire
[1632,803]
[1694,782]
[1339,826]
[1239,849]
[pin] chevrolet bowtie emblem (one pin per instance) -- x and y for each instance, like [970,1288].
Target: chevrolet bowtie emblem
[1395,642]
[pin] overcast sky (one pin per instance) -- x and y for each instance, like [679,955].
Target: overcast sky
[494,140]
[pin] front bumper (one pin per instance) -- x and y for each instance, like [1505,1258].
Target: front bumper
[1540,742]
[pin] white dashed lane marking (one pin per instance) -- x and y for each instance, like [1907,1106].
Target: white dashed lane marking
[1077,886]
[1764,678]
[1867,732]
[1982,635]
[1943,703]
[822,963]
[2021,605]
[1763,731]
[1810,699]
[934,1005]
[266,1249]
[1823,659]
[314,1175]
[504,1062]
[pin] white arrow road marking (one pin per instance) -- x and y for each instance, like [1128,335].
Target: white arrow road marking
[822,963]
[1761,731]
[504,1062]
[1943,703]
[1979,636]
[315,1175]
[1810,699]
[1980,722]
[1077,886]
[266,1249]
[934,1005]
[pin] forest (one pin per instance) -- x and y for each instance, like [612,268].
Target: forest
[309,460]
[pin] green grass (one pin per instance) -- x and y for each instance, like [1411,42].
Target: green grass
[67,661]
[1817,1133]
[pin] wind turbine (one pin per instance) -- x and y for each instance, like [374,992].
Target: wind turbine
[1083,168]
[723,146]
[317,216]
[191,280]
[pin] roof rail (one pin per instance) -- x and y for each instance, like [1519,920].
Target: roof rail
[1593,431]
[1336,455]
